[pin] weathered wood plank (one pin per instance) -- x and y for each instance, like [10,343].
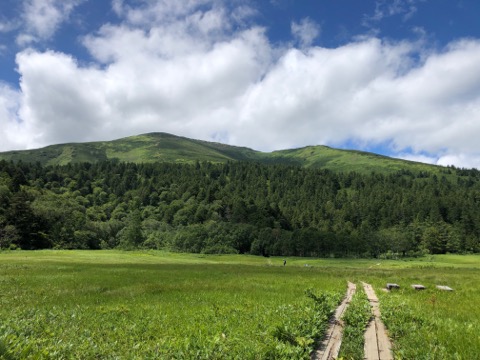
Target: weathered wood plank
[330,346]
[377,344]
[370,348]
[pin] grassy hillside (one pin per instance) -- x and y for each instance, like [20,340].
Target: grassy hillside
[140,149]
[345,160]
[170,148]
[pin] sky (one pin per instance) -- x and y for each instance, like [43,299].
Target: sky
[396,77]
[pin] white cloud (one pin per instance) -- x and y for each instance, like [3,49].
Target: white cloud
[60,100]
[153,13]
[11,130]
[243,13]
[305,32]
[322,96]
[163,29]
[163,78]
[388,8]
[42,18]
[118,7]
[8,25]
[186,70]
[471,160]
[418,158]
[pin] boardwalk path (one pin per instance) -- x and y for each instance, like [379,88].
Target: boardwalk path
[331,345]
[377,344]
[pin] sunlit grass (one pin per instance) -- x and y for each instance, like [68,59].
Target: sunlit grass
[434,324]
[112,304]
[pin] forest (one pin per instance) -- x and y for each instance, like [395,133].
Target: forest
[239,207]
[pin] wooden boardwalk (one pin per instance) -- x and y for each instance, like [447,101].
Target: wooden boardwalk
[330,346]
[377,344]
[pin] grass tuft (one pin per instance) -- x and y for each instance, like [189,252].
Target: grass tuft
[356,319]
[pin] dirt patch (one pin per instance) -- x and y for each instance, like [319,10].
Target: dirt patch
[377,344]
[330,346]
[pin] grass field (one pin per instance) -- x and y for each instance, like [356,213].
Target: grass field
[141,305]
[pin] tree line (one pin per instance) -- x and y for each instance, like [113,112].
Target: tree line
[238,207]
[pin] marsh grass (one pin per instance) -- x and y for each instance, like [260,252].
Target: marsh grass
[434,324]
[429,324]
[139,305]
[147,305]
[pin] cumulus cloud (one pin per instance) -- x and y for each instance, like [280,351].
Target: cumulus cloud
[190,70]
[60,100]
[167,78]
[42,18]
[11,129]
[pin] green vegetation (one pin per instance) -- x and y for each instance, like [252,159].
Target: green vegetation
[345,160]
[355,319]
[434,324]
[164,147]
[151,304]
[179,195]
[139,149]
[429,324]
[145,148]
[155,305]
[242,207]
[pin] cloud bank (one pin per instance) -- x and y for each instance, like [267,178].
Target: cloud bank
[204,70]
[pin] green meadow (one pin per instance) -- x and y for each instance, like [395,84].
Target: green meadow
[151,305]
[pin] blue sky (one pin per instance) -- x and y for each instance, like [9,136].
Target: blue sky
[399,77]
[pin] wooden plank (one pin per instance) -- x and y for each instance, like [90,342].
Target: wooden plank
[377,344]
[370,348]
[384,344]
[330,346]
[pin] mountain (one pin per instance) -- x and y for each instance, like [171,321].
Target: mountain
[319,207]
[144,148]
[163,147]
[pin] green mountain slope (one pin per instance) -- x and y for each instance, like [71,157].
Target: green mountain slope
[346,160]
[164,147]
[139,149]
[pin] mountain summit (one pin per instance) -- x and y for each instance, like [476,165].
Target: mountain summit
[163,147]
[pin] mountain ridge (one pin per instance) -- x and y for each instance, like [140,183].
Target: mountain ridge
[165,147]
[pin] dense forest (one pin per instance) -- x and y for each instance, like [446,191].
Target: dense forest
[240,207]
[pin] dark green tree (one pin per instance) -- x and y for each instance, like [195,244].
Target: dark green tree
[132,235]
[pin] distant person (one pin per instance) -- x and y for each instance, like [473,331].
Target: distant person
[284,262]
